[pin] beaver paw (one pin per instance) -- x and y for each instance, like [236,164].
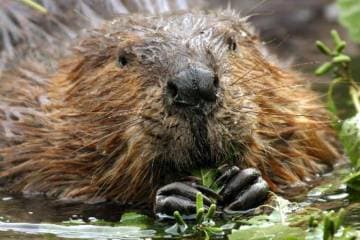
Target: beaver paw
[180,197]
[243,189]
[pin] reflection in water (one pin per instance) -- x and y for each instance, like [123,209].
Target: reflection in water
[78,232]
[38,215]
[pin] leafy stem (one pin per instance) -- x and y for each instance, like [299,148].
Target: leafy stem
[349,129]
[339,64]
[204,223]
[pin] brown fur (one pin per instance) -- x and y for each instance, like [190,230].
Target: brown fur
[95,131]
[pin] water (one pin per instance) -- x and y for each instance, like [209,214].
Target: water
[39,218]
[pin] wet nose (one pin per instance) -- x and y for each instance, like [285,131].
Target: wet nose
[193,85]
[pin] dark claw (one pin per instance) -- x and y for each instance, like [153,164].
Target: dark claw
[228,174]
[180,197]
[251,197]
[181,189]
[207,191]
[168,204]
[238,183]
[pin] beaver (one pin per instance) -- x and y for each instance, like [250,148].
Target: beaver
[144,100]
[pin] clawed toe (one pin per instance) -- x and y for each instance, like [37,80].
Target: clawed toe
[243,190]
[250,198]
[180,197]
[241,181]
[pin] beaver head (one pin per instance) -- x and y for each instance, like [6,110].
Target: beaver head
[174,82]
[147,99]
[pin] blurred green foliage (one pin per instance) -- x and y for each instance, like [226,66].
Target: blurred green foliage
[338,66]
[350,17]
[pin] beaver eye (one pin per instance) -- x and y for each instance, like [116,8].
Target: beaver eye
[122,61]
[231,44]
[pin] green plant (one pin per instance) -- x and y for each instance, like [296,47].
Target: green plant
[204,221]
[330,227]
[348,129]
[350,17]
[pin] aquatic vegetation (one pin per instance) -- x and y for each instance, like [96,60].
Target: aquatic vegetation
[204,224]
[350,17]
[348,129]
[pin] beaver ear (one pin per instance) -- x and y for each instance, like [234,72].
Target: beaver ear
[231,44]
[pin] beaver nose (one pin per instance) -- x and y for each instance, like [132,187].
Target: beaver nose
[192,85]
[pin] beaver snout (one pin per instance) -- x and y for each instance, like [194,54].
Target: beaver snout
[192,86]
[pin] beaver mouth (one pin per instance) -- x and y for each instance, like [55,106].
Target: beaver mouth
[202,147]
[193,110]
[200,150]
[191,134]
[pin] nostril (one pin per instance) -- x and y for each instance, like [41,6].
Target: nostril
[172,89]
[192,86]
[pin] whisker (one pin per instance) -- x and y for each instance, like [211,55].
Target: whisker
[117,125]
[269,89]
[305,64]
[310,107]
[277,114]
[105,184]
[243,76]
[248,79]
[133,122]
[283,40]
[256,6]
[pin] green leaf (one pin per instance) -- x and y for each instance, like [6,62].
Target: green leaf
[329,228]
[350,138]
[207,177]
[207,236]
[199,202]
[350,17]
[342,58]
[211,212]
[178,218]
[278,232]
[133,218]
[180,227]
[324,68]
[340,47]
[339,43]
[200,216]
[353,181]
[339,219]
[214,230]
[323,48]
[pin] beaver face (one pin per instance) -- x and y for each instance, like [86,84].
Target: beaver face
[180,80]
[193,88]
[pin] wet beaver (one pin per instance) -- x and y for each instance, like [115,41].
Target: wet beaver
[145,100]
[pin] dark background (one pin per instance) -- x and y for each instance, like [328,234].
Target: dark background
[291,27]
